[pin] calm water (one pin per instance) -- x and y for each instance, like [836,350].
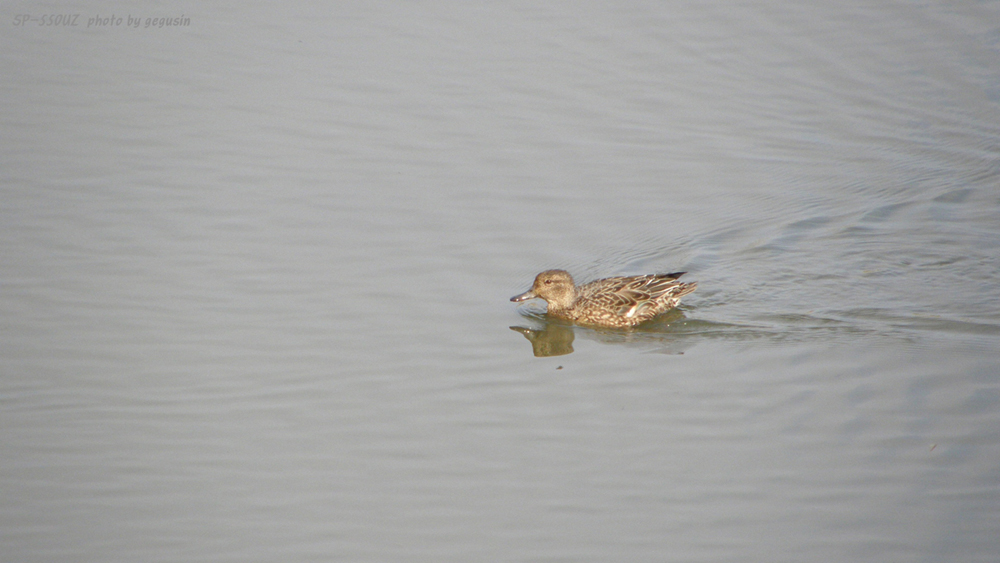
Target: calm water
[256,273]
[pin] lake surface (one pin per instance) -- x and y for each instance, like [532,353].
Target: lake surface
[256,270]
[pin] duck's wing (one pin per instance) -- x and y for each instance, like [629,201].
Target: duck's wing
[661,286]
[638,297]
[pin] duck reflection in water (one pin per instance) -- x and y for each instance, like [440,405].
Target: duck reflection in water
[553,340]
[555,337]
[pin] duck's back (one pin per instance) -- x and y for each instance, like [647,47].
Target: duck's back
[628,300]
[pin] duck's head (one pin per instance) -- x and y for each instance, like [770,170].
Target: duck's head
[556,287]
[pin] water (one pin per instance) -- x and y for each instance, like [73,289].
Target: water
[256,274]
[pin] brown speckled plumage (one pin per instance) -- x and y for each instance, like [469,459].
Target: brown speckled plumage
[619,302]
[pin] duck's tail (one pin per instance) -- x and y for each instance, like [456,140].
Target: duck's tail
[685,288]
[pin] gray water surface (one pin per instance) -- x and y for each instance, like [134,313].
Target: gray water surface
[256,269]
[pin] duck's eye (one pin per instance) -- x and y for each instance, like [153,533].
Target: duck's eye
[548,282]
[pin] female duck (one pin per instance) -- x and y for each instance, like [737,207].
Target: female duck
[619,302]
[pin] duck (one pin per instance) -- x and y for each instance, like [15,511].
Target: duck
[618,302]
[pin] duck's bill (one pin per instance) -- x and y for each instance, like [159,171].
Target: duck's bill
[524,296]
